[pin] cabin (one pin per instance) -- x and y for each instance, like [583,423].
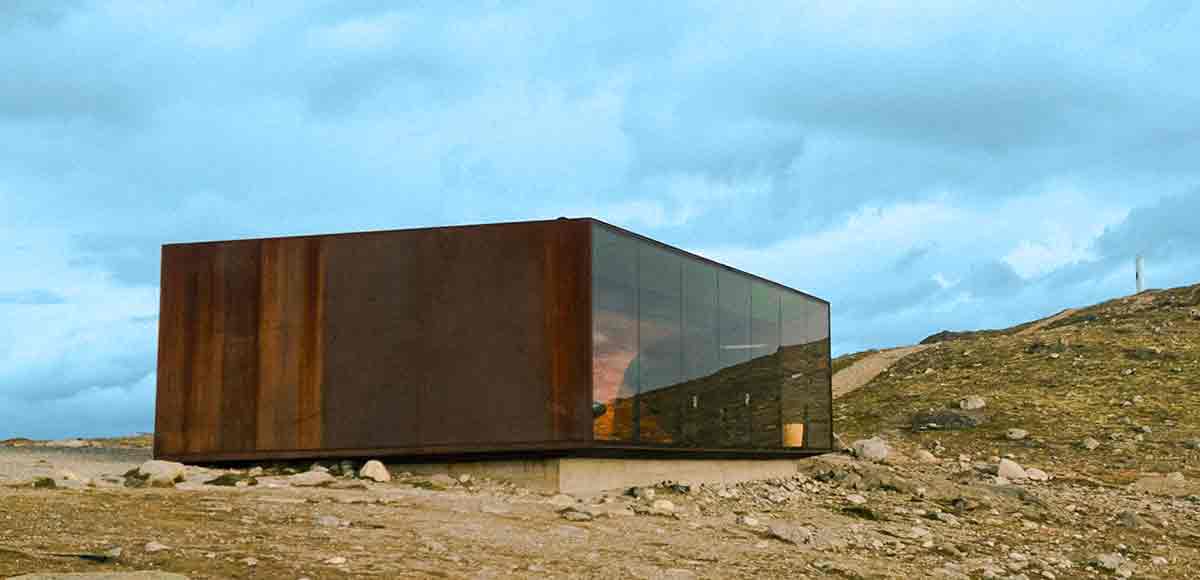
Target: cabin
[567,337]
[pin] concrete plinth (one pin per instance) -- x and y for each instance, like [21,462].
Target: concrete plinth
[583,475]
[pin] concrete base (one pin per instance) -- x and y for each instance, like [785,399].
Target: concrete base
[584,475]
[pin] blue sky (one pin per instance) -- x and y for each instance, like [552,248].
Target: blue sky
[922,165]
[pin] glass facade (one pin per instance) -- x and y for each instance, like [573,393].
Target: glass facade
[690,354]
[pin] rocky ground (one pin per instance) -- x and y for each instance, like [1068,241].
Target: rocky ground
[892,511]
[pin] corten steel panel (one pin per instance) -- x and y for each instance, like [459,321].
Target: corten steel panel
[409,341]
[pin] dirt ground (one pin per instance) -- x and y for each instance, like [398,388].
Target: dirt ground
[838,517]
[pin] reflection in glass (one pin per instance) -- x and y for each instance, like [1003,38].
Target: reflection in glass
[734,322]
[614,334]
[701,350]
[661,340]
[689,354]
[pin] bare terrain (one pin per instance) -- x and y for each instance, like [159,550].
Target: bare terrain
[1063,448]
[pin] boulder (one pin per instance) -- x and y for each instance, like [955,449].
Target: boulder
[1109,562]
[924,456]
[971,403]
[873,449]
[663,506]
[161,473]
[1010,470]
[946,419]
[152,547]
[375,471]
[311,479]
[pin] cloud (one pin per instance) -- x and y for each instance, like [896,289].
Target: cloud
[948,165]
[31,297]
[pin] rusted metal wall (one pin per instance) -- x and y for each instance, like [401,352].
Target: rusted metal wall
[430,340]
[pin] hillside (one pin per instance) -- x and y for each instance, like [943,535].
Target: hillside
[1125,373]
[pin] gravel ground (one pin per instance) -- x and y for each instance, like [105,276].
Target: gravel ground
[24,463]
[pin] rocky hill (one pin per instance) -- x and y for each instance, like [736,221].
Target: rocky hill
[1110,391]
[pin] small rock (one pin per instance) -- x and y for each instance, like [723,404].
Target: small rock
[573,514]
[1129,519]
[1089,443]
[495,508]
[747,521]
[1016,434]
[1011,470]
[1109,562]
[374,470]
[1035,474]
[918,532]
[311,479]
[250,561]
[952,419]
[642,493]
[66,475]
[971,403]
[232,479]
[856,499]
[336,561]
[873,449]
[562,500]
[330,522]
[1158,561]
[791,534]
[443,480]
[152,547]
[1192,443]
[924,456]
[347,468]
[464,479]
[161,473]
[663,505]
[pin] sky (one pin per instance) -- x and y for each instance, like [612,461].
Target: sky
[921,165]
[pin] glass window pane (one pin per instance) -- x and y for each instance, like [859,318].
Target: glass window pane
[764,322]
[614,334]
[805,365]
[700,348]
[734,322]
[660,359]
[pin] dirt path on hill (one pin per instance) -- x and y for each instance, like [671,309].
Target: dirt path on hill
[860,373]
[1043,323]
